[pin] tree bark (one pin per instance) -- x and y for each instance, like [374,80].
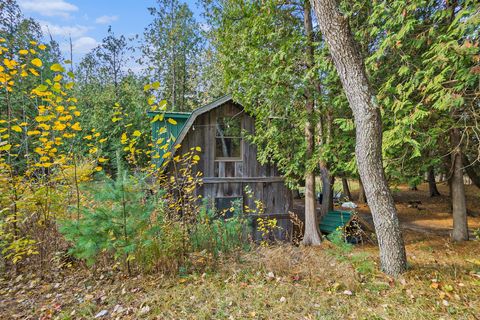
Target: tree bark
[346,189]
[432,184]
[459,206]
[312,231]
[470,170]
[327,190]
[330,195]
[350,67]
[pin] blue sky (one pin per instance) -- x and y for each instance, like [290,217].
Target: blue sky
[87,21]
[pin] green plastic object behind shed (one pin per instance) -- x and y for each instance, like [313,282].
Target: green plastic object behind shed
[172,130]
[334,219]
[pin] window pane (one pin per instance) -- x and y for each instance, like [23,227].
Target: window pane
[228,147]
[228,127]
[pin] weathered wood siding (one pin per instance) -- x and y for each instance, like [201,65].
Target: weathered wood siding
[227,178]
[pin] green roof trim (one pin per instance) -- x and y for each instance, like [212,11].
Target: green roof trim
[335,219]
[173,130]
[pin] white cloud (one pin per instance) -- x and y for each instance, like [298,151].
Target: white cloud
[83,45]
[65,31]
[106,19]
[49,8]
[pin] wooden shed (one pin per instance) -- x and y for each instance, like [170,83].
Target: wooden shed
[228,162]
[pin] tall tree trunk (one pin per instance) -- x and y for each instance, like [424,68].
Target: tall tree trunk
[432,184]
[459,206]
[346,189]
[173,60]
[470,170]
[362,198]
[327,188]
[349,64]
[330,196]
[312,231]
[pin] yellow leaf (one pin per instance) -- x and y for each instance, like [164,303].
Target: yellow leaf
[17,129]
[156,85]
[34,72]
[146,87]
[10,64]
[57,68]
[59,126]
[76,113]
[23,52]
[101,160]
[37,62]
[171,121]
[166,155]
[76,127]
[98,168]
[33,43]
[137,133]
[102,140]
[198,149]
[151,100]
[5,147]
[58,77]
[44,126]
[42,47]
[196,158]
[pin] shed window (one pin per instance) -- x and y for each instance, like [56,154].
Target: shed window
[228,140]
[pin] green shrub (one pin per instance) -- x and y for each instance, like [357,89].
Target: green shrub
[216,233]
[114,221]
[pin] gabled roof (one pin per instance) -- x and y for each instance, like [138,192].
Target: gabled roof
[184,122]
[199,111]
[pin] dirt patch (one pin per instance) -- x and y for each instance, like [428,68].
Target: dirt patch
[419,212]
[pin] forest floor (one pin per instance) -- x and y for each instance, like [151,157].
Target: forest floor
[279,282]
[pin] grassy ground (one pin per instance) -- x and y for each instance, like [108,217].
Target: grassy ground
[280,282]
